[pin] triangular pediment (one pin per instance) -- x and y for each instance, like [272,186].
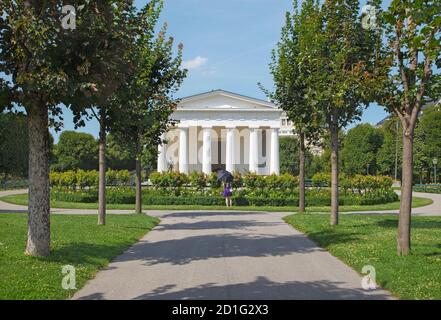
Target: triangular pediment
[223,100]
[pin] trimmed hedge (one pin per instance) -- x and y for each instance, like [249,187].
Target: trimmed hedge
[82,179]
[173,188]
[430,188]
[156,197]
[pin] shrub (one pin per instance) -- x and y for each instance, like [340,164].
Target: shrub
[237,180]
[212,181]
[198,180]
[82,179]
[288,182]
[252,181]
[68,179]
[321,179]
[86,179]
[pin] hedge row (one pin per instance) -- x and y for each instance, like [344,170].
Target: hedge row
[200,181]
[313,198]
[434,188]
[81,179]
[357,183]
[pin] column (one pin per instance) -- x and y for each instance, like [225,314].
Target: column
[274,161]
[206,150]
[162,167]
[230,149]
[183,150]
[254,149]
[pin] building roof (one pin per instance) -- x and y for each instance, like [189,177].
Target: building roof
[228,94]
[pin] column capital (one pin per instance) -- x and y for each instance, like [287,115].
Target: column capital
[254,126]
[232,126]
[207,126]
[275,128]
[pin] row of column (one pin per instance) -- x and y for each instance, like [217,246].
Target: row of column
[230,151]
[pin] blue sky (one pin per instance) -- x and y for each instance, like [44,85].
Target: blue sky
[227,45]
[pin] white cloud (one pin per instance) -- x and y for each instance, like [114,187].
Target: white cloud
[194,63]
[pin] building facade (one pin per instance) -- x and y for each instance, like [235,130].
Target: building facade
[221,129]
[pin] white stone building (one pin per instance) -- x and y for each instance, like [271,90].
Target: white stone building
[221,129]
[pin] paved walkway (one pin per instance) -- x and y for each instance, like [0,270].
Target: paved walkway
[226,255]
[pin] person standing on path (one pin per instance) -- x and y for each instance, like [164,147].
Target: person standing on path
[227,194]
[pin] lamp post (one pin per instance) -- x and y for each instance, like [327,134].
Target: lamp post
[435,162]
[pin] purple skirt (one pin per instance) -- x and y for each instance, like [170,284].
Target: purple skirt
[227,193]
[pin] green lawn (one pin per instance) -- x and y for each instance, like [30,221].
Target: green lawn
[76,240]
[371,240]
[22,199]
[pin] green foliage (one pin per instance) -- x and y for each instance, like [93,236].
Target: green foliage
[13,145]
[289,155]
[291,66]
[76,150]
[321,179]
[391,149]
[274,197]
[173,180]
[213,182]
[82,179]
[198,180]
[118,157]
[360,149]
[142,107]
[430,188]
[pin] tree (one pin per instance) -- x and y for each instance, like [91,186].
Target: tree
[427,141]
[390,154]
[290,66]
[342,76]
[289,146]
[360,150]
[118,157]
[112,28]
[35,56]
[14,154]
[148,91]
[76,150]
[413,48]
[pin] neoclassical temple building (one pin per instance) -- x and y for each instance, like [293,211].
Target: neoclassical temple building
[220,129]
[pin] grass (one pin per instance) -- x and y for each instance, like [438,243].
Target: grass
[76,240]
[371,240]
[22,199]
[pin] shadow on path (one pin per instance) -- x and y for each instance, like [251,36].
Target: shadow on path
[261,288]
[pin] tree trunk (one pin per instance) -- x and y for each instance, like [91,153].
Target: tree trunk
[39,237]
[334,175]
[138,207]
[403,238]
[302,174]
[102,171]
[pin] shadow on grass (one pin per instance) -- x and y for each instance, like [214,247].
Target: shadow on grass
[325,238]
[418,224]
[86,253]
